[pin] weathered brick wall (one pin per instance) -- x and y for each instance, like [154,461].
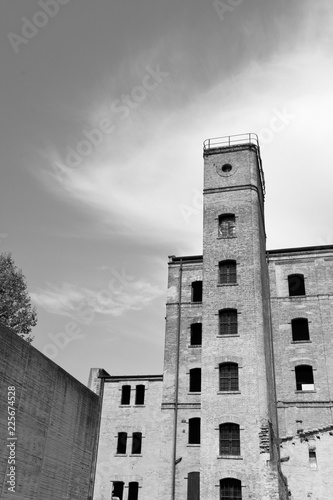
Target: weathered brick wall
[304,409]
[56,426]
[143,468]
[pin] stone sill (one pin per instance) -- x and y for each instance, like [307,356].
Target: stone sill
[226,237]
[305,392]
[227,336]
[228,392]
[301,341]
[194,346]
[193,446]
[227,284]
[132,406]
[230,457]
[120,455]
[135,455]
[195,393]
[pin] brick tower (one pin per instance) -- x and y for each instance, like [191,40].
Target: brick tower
[219,423]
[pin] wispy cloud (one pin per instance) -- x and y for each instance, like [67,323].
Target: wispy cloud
[71,300]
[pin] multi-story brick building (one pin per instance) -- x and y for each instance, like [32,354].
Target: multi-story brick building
[244,408]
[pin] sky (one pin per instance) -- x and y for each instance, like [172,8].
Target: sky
[104,108]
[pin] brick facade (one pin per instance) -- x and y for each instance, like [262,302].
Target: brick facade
[240,378]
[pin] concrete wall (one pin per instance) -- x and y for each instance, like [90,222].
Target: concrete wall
[56,425]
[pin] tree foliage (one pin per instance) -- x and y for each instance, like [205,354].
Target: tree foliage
[16,310]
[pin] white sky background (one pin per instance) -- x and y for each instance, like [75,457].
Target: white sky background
[93,238]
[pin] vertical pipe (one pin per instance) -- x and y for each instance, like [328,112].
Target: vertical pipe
[177,383]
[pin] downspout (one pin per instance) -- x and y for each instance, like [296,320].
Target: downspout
[177,383]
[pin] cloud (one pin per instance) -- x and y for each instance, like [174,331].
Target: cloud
[83,303]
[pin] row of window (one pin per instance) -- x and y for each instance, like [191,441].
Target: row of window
[228,326]
[228,378]
[136,443]
[230,488]
[228,276]
[126,395]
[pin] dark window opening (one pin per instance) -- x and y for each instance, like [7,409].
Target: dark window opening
[228,377]
[228,322]
[195,380]
[136,443]
[227,272]
[197,291]
[133,491]
[229,439]
[193,486]
[227,228]
[140,395]
[125,394]
[118,489]
[194,431]
[296,285]
[300,329]
[196,334]
[230,489]
[121,444]
[304,378]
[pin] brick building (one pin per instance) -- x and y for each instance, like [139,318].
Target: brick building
[244,407]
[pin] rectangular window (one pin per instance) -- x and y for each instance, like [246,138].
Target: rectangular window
[193,486]
[122,442]
[228,322]
[228,377]
[140,395]
[118,489]
[227,226]
[197,291]
[136,443]
[227,272]
[125,395]
[196,333]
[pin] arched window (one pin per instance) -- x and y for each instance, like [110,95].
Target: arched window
[125,394]
[136,443]
[133,491]
[196,333]
[296,285]
[193,486]
[228,322]
[139,394]
[118,489]
[300,329]
[121,443]
[227,272]
[229,439]
[197,291]
[227,228]
[304,378]
[228,376]
[195,380]
[194,431]
[230,489]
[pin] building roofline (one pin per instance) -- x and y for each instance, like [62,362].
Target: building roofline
[300,249]
[130,377]
[185,258]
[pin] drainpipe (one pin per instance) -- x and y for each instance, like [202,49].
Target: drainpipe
[177,383]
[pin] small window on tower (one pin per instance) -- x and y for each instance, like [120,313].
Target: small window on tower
[304,378]
[228,376]
[197,291]
[227,228]
[195,380]
[300,329]
[228,322]
[196,334]
[194,431]
[227,272]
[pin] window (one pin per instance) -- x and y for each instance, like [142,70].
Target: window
[304,378]
[227,272]
[300,329]
[196,334]
[227,226]
[197,291]
[296,285]
[140,395]
[125,394]
[194,431]
[312,459]
[230,489]
[136,443]
[133,491]
[121,444]
[195,380]
[229,439]
[193,486]
[118,489]
[228,376]
[228,322]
